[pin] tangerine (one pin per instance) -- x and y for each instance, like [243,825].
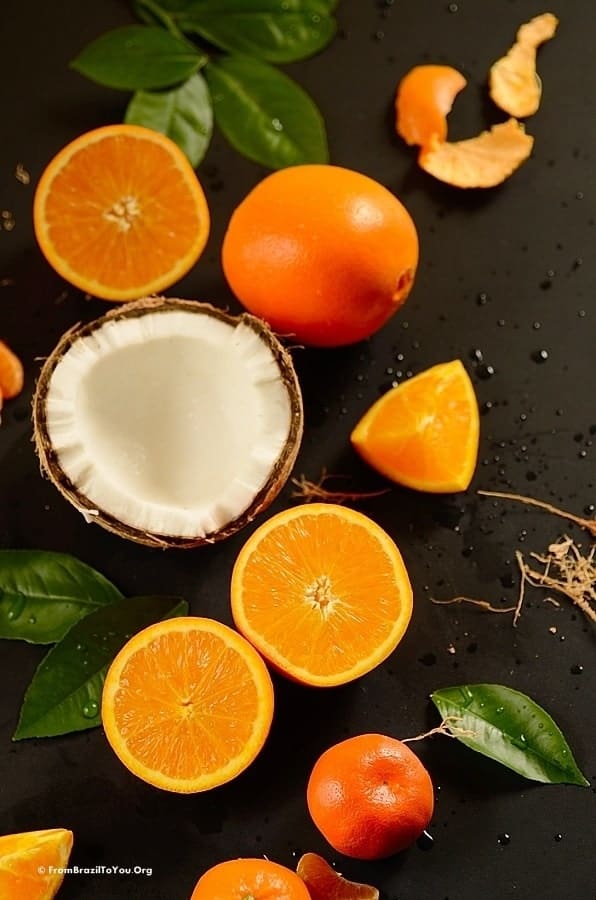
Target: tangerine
[370,796]
[322,253]
[250,879]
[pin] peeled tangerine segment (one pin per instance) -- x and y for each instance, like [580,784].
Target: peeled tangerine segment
[514,85]
[424,99]
[324,883]
[480,162]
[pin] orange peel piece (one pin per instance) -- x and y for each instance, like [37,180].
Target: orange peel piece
[514,83]
[324,883]
[480,162]
[424,98]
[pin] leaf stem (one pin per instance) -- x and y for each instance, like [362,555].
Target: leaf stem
[163,17]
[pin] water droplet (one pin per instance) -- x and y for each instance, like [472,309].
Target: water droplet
[425,841]
[16,607]
[81,648]
[558,837]
[482,298]
[90,709]
[499,710]
[453,8]
[485,372]
[576,670]
[277,125]
[504,839]
[32,620]
[540,356]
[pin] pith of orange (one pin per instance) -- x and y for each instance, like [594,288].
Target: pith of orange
[120,214]
[322,253]
[370,796]
[424,433]
[28,863]
[187,704]
[424,99]
[250,879]
[322,592]
[324,883]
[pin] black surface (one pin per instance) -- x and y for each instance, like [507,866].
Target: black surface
[507,272]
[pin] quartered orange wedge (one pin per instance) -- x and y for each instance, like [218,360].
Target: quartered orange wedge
[187,704]
[31,863]
[120,214]
[424,433]
[322,592]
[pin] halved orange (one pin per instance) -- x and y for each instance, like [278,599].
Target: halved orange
[31,863]
[120,213]
[322,592]
[424,433]
[324,883]
[187,704]
[424,98]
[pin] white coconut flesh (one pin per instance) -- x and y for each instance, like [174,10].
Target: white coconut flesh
[170,422]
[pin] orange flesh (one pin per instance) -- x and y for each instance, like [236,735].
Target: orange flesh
[324,883]
[121,213]
[25,861]
[424,98]
[322,595]
[187,708]
[424,433]
[11,373]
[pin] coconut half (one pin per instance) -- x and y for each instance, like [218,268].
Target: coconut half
[168,421]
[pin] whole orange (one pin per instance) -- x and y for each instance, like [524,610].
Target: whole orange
[250,879]
[322,253]
[370,796]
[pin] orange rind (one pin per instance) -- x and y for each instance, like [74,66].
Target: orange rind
[480,162]
[324,883]
[424,98]
[514,84]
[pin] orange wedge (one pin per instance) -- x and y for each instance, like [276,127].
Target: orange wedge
[324,883]
[514,82]
[120,214]
[322,592]
[187,704]
[423,101]
[424,433]
[480,162]
[31,863]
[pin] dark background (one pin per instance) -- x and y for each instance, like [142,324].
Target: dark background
[504,273]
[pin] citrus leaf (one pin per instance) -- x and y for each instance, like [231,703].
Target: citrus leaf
[43,594]
[138,57]
[279,31]
[65,693]
[184,114]
[510,728]
[264,114]
[159,12]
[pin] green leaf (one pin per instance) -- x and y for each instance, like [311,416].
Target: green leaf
[65,693]
[138,57]
[160,12]
[43,594]
[512,729]
[184,114]
[264,114]
[278,31]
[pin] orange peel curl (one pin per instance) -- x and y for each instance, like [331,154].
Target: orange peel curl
[324,883]
[424,98]
[514,83]
[480,162]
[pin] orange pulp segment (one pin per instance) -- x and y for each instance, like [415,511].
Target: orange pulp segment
[423,101]
[12,374]
[187,704]
[322,592]
[30,863]
[481,162]
[120,214]
[324,883]
[424,433]
[514,84]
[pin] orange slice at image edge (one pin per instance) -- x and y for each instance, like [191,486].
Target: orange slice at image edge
[424,433]
[30,863]
[322,592]
[119,213]
[187,704]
